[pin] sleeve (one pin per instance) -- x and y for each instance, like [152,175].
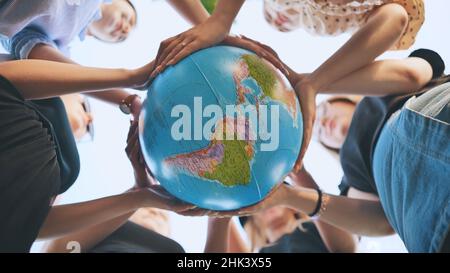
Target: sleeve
[343,187]
[433,58]
[356,173]
[21,44]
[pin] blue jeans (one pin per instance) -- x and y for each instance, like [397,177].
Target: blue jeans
[411,166]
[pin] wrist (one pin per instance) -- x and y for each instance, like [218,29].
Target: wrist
[286,193]
[219,221]
[139,76]
[314,80]
[129,77]
[306,83]
[222,20]
[141,179]
[138,196]
[305,87]
[300,198]
[144,198]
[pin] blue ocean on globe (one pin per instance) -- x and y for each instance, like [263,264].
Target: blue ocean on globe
[221,128]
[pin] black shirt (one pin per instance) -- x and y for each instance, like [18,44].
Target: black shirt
[307,240]
[133,238]
[68,159]
[368,120]
[29,171]
[53,114]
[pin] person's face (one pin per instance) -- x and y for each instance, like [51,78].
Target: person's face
[279,20]
[118,20]
[276,221]
[332,123]
[79,118]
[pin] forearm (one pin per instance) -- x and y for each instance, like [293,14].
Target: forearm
[37,79]
[303,178]
[336,240]
[49,53]
[192,10]
[65,219]
[87,238]
[236,243]
[362,217]
[384,78]
[218,234]
[226,11]
[379,34]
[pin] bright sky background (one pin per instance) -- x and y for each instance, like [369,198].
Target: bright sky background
[105,169]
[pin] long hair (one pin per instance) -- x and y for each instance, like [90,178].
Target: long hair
[257,233]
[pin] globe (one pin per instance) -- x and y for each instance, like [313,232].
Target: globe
[221,128]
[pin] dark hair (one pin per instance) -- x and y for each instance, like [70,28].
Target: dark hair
[134,8]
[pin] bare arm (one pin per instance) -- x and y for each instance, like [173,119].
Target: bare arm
[227,11]
[376,79]
[218,234]
[46,52]
[335,239]
[192,10]
[236,243]
[87,238]
[223,236]
[208,33]
[379,78]
[384,78]
[36,79]
[65,219]
[361,217]
[91,236]
[384,27]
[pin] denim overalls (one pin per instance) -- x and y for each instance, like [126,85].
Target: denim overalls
[411,166]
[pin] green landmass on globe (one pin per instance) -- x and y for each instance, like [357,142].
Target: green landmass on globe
[223,160]
[271,84]
[235,167]
[261,73]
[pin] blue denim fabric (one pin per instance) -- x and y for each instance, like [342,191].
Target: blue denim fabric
[21,44]
[411,166]
[56,23]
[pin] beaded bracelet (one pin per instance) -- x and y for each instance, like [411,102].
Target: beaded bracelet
[321,205]
[318,205]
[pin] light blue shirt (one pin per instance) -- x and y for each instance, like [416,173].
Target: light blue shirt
[23,24]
